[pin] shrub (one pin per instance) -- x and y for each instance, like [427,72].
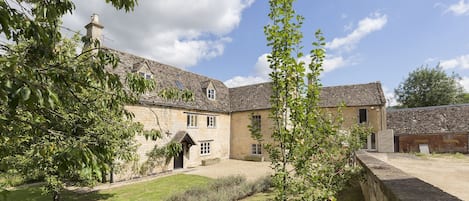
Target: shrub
[226,188]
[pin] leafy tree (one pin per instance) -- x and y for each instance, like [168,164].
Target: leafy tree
[62,114]
[429,87]
[310,154]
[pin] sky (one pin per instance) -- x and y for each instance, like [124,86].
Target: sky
[367,40]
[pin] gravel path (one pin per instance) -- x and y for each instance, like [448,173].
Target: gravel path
[447,173]
[251,170]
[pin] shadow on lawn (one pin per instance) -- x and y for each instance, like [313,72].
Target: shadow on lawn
[35,194]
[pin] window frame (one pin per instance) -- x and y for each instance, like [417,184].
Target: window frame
[205,148]
[191,121]
[256,122]
[211,121]
[360,116]
[147,76]
[211,94]
[256,149]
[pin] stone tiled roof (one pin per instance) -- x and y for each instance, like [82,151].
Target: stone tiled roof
[257,96]
[171,77]
[251,97]
[429,120]
[352,95]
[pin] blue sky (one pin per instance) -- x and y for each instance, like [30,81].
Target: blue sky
[367,40]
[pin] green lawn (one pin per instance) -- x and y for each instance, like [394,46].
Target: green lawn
[157,189]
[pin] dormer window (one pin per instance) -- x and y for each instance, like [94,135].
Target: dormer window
[147,76]
[211,94]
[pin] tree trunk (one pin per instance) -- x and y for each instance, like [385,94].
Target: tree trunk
[55,196]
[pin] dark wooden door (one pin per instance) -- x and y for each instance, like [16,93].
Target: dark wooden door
[179,160]
[396,143]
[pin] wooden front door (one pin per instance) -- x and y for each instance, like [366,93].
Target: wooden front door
[179,160]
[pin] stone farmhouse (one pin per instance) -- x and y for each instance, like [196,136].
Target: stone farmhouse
[365,104]
[439,128]
[215,124]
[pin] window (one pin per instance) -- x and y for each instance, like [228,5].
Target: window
[179,85]
[211,94]
[256,122]
[204,148]
[145,75]
[373,141]
[211,121]
[148,76]
[191,121]
[362,116]
[256,149]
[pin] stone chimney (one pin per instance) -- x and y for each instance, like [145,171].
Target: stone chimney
[94,30]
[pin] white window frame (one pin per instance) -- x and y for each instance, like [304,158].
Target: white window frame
[256,149]
[205,148]
[191,121]
[211,122]
[211,94]
[147,76]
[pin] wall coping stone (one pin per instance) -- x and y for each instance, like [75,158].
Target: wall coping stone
[398,185]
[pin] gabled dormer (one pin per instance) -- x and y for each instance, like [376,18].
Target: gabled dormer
[209,90]
[143,70]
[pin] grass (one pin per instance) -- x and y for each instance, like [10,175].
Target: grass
[158,189]
[442,155]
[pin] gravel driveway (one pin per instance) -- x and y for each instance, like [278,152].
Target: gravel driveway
[449,174]
[251,170]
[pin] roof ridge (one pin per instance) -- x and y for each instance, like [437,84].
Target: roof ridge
[428,107]
[158,62]
[250,85]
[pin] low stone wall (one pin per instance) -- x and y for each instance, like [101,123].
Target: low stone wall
[384,182]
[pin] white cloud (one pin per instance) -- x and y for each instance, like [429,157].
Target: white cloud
[460,8]
[242,81]
[333,62]
[390,97]
[465,83]
[262,69]
[458,62]
[176,32]
[431,60]
[366,26]
[261,74]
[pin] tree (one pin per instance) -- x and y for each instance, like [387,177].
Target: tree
[62,114]
[429,87]
[310,155]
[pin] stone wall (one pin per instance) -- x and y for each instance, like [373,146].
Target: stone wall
[376,120]
[241,140]
[383,182]
[170,121]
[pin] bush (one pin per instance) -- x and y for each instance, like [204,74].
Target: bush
[227,188]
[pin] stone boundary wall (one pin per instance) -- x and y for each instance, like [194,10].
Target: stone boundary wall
[384,182]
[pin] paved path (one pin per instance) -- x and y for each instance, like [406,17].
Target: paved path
[251,170]
[449,174]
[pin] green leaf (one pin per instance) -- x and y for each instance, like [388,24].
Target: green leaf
[25,93]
